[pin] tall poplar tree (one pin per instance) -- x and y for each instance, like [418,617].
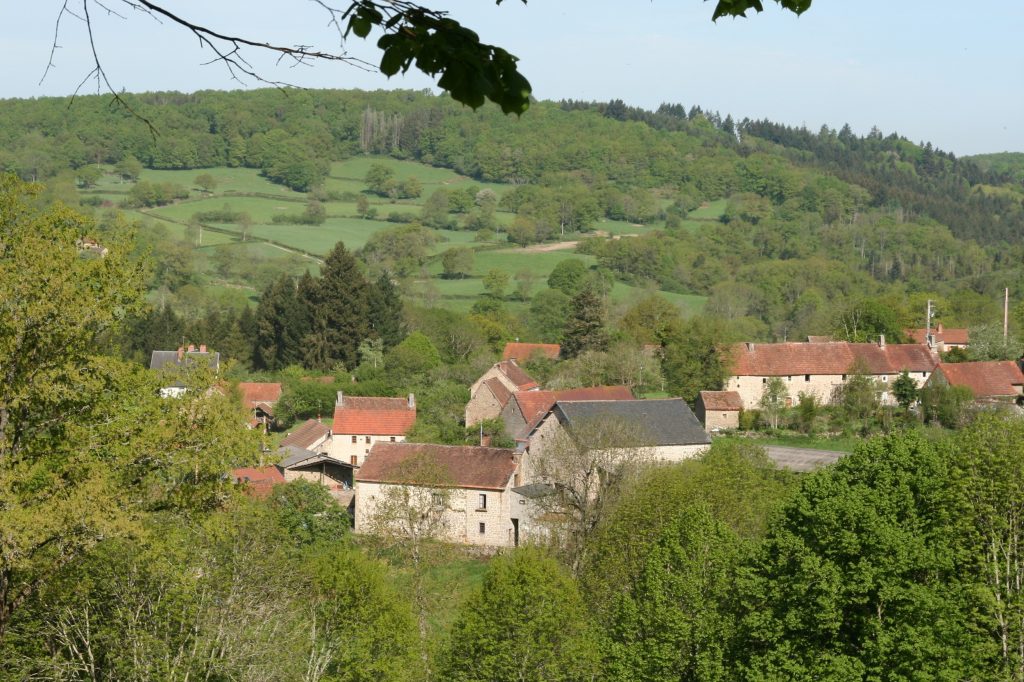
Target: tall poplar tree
[585,328]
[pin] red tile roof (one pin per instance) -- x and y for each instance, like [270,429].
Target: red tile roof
[458,466]
[255,392]
[788,359]
[722,401]
[523,351]
[373,416]
[305,435]
[259,481]
[534,404]
[959,336]
[985,379]
[501,393]
[518,376]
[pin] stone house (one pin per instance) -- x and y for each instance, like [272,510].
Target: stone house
[260,398]
[468,499]
[719,410]
[312,435]
[523,352]
[667,428]
[941,339]
[361,422]
[171,363]
[990,382]
[523,409]
[818,368]
[490,393]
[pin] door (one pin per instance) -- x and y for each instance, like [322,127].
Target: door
[515,532]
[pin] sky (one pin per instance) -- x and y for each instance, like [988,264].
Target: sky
[945,71]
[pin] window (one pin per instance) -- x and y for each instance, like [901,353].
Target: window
[807,377]
[355,460]
[483,528]
[789,378]
[367,439]
[437,499]
[482,502]
[764,380]
[844,377]
[355,439]
[392,439]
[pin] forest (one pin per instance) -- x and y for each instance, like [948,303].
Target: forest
[392,242]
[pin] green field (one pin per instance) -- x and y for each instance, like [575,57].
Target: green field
[244,190]
[713,211]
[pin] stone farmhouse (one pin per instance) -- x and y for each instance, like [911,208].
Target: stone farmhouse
[523,352]
[818,368]
[940,338]
[668,429]
[312,435]
[990,382]
[491,392]
[522,410]
[260,398]
[461,494]
[361,422]
[719,410]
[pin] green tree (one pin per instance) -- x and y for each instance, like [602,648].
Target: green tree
[457,262]
[946,405]
[380,179]
[585,327]
[693,361]
[773,401]
[343,304]
[281,323]
[414,356]
[904,389]
[410,188]
[528,622]
[89,175]
[387,316]
[496,282]
[859,579]
[568,276]
[206,182]
[128,168]
[314,214]
[362,206]
[679,622]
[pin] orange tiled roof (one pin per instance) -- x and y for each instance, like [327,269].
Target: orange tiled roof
[787,359]
[959,336]
[518,376]
[985,379]
[259,480]
[721,400]
[257,392]
[499,391]
[373,416]
[305,435]
[523,351]
[460,466]
[534,404]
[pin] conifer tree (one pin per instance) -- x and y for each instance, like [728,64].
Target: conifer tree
[280,326]
[343,305]
[585,328]
[386,315]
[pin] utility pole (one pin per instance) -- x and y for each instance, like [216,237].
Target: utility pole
[928,325]
[1006,314]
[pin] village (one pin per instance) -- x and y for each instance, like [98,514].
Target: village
[565,440]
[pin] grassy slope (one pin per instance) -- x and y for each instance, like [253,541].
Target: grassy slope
[243,189]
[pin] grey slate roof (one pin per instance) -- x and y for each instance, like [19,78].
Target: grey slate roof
[295,456]
[168,359]
[665,421]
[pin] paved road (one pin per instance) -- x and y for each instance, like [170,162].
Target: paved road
[801,459]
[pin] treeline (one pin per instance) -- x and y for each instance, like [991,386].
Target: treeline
[898,562]
[292,138]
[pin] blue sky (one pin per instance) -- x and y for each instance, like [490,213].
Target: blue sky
[946,71]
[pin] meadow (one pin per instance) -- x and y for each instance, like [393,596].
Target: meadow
[267,248]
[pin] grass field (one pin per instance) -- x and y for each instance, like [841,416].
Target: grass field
[713,211]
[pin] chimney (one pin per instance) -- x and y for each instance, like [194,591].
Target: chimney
[341,399]
[750,347]
[881,340]
[181,353]
[412,401]
[202,348]
[191,348]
